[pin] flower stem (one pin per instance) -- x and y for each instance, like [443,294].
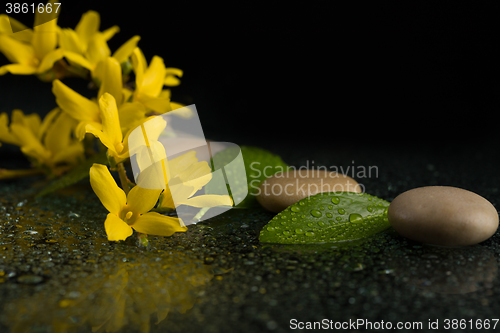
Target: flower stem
[9,174]
[143,239]
[123,177]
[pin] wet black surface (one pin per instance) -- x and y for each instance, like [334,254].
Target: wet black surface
[410,89]
[58,270]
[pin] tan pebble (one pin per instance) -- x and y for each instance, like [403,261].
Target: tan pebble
[286,188]
[443,215]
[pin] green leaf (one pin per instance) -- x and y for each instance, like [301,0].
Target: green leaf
[328,217]
[78,173]
[259,164]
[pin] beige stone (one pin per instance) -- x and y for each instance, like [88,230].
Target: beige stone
[286,188]
[443,215]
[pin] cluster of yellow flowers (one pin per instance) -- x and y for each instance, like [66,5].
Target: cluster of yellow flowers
[56,144]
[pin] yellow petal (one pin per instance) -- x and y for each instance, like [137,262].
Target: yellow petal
[74,104]
[17,69]
[110,119]
[77,59]
[112,197]
[96,130]
[33,122]
[71,154]
[167,201]
[147,156]
[47,122]
[147,133]
[179,193]
[160,105]
[88,26]
[185,113]
[15,29]
[199,171]
[44,38]
[151,176]
[181,163]
[154,77]
[157,224]
[18,117]
[139,65]
[209,200]
[37,152]
[127,93]
[112,80]
[59,134]
[141,200]
[29,144]
[5,135]
[171,79]
[69,41]
[116,228]
[154,127]
[110,32]
[98,49]
[49,59]
[81,128]
[124,51]
[131,115]
[17,52]
[25,136]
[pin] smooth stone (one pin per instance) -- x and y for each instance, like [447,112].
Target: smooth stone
[286,188]
[443,215]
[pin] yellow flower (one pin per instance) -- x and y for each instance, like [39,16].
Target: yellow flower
[86,111]
[109,132]
[88,47]
[188,176]
[8,24]
[48,143]
[150,80]
[30,56]
[132,210]
[180,177]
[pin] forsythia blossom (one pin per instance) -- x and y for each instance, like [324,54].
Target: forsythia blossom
[49,143]
[130,211]
[57,143]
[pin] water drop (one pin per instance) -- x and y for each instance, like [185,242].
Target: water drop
[286,232]
[338,218]
[336,200]
[270,228]
[341,211]
[369,208]
[329,215]
[323,224]
[309,233]
[316,213]
[29,279]
[299,231]
[355,218]
[295,209]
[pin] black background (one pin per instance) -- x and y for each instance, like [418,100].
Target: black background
[288,73]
